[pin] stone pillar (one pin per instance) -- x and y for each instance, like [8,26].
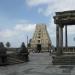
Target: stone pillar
[57,37]
[61,37]
[66,37]
[60,49]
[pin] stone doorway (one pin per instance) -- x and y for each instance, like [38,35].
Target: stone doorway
[38,48]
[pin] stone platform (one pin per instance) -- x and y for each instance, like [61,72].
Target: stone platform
[64,60]
[13,59]
[39,64]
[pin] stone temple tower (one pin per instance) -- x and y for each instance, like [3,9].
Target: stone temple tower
[41,38]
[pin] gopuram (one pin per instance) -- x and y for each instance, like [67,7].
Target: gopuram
[63,19]
[41,40]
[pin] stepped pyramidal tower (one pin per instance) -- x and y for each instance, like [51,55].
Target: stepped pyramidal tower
[41,38]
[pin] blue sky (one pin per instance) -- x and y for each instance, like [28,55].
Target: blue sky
[18,19]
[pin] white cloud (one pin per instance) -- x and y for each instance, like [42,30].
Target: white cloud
[52,5]
[40,10]
[60,5]
[7,33]
[71,30]
[25,27]
[19,28]
[57,6]
[37,2]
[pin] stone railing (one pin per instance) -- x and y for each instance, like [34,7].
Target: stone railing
[69,49]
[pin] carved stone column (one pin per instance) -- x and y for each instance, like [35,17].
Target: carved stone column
[61,37]
[60,49]
[66,37]
[57,37]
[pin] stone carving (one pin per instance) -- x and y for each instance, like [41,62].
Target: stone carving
[3,54]
[24,52]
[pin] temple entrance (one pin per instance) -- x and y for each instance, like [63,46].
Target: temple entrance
[38,48]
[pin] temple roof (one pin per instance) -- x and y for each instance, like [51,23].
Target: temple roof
[65,18]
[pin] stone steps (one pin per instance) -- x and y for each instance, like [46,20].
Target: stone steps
[14,61]
[64,60]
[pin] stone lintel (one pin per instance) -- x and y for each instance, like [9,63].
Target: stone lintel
[64,21]
[65,18]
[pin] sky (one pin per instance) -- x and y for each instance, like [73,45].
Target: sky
[18,19]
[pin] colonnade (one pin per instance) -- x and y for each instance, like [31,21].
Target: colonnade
[59,38]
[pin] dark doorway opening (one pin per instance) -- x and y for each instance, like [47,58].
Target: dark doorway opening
[38,47]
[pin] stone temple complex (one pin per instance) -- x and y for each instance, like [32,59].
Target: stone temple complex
[41,38]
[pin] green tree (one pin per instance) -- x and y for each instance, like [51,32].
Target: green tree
[1,45]
[23,48]
[8,44]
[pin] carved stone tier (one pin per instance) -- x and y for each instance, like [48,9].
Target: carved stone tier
[65,18]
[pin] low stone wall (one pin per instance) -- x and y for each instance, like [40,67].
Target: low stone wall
[64,60]
[68,57]
[69,49]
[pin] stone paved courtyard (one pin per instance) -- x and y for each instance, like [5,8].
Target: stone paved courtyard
[39,64]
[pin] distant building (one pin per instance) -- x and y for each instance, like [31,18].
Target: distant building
[41,38]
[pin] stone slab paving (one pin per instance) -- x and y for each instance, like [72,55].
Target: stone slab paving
[39,64]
